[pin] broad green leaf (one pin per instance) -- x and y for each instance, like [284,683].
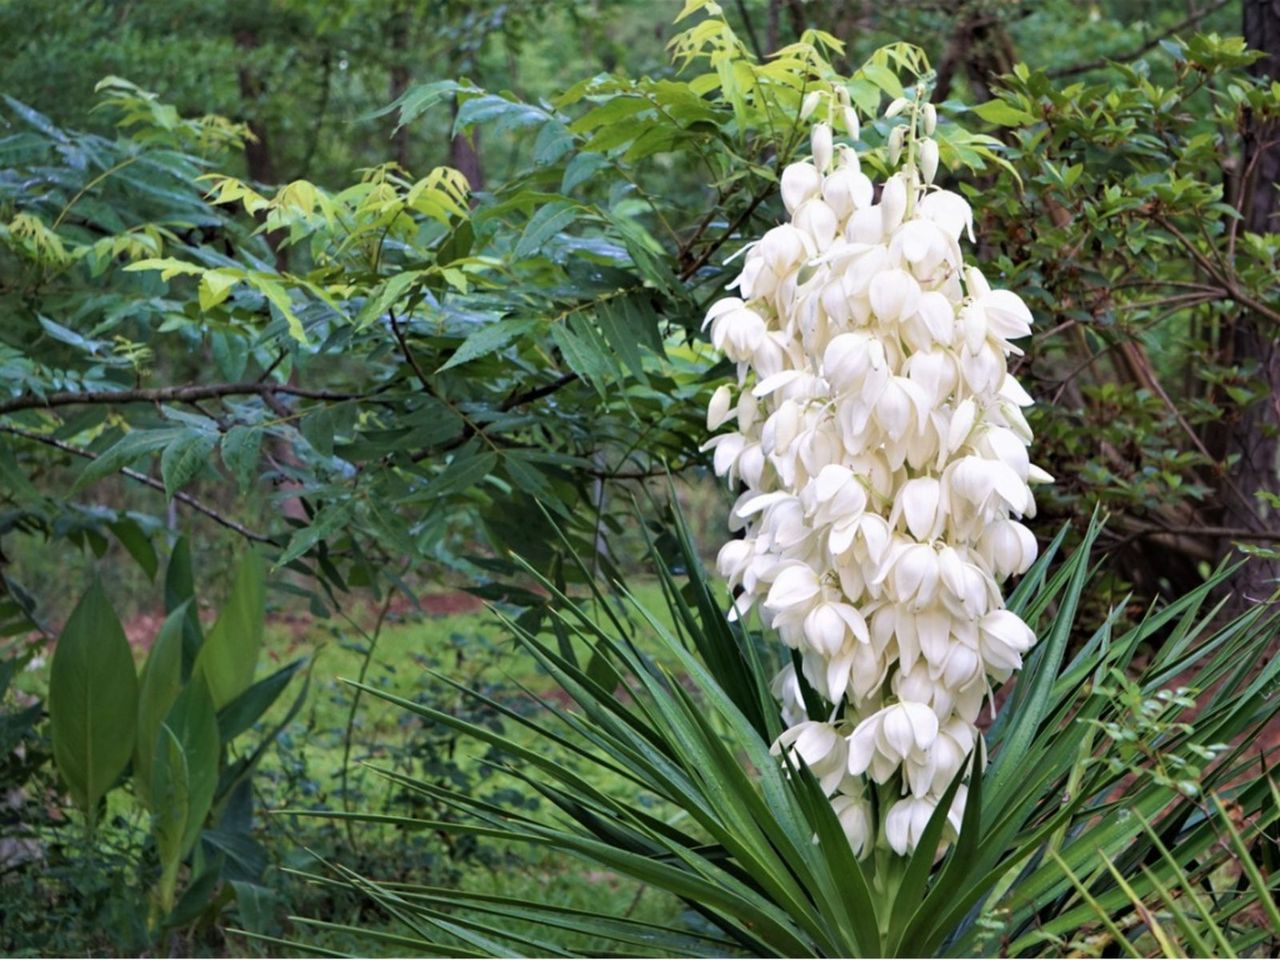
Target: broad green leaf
[93,701]
[158,689]
[134,539]
[1003,113]
[246,709]
[179,589]
[229,655]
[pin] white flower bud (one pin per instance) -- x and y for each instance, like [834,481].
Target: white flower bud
[897,137]
[930,114]
[718,409]
[893,202]
[820,141]
[928,159]
[851,125]
[810,104]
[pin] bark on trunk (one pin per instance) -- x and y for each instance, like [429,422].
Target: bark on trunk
[464,156]
[257,152]
[399,82]
[1255,435]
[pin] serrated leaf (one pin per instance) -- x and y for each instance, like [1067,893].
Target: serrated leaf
[215,286]
[616,324]
[581,169]
[543,225]
[240,448]
[128,449]
[327,521]
[317,428]
[486,340]
[553,142]
[184,458]
[468,467]
[584,353]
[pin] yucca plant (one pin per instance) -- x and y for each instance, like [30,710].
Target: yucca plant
[1110,765]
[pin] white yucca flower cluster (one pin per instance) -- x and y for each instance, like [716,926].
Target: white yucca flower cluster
[883,450]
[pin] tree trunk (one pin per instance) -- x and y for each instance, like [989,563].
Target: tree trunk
[464,156]
[1254,437]
[257,152]
[399,82]
[981,47]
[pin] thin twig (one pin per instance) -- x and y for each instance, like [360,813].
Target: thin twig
[407,353]
[1149,45]
[1209,267]
[68,398]
[1229,533]
[142,478]
[730,231]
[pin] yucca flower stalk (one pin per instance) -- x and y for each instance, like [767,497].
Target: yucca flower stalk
[882,450]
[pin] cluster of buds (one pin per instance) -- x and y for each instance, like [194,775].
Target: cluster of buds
[881,447]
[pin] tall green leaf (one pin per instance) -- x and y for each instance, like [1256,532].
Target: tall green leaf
[93,701]
[159,688]
[229,655]
[184,776]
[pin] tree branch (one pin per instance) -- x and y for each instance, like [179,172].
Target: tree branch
[68,398]
[405,352]
[537,393]
[142,478]
[707,254]
[1228,282]
[513,401]
[1149,45]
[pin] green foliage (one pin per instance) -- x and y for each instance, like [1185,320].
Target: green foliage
[184,772]
[1130,235]
[755,849]
[184,776]
[412,367]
